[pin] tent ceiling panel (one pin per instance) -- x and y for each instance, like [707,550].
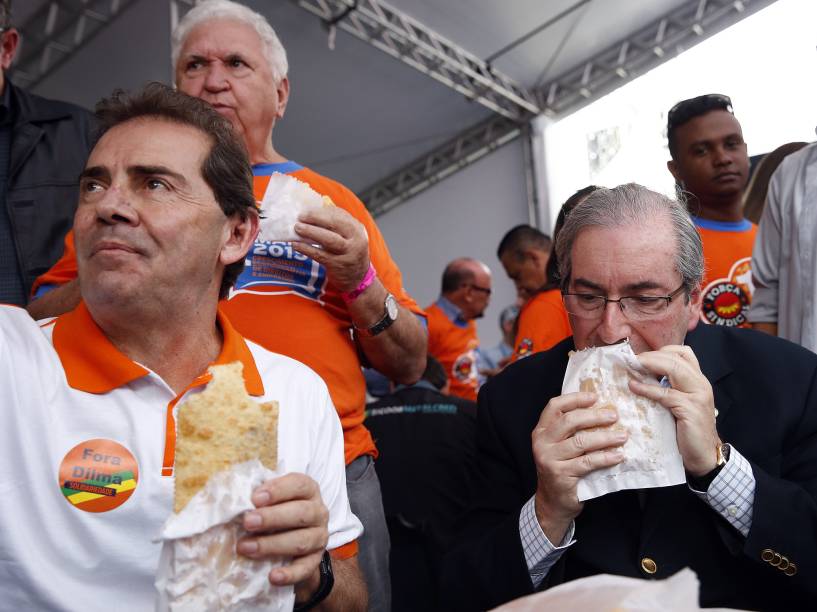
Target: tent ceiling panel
[486,26]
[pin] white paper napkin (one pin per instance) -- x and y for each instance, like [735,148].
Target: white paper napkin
[651,457]
[199,568]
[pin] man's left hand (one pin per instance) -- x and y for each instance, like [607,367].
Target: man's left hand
[689,399]
[290,520]
[337,241]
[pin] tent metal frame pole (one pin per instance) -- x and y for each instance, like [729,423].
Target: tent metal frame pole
[60,28]
[618,64]
[57,31]
[419,46]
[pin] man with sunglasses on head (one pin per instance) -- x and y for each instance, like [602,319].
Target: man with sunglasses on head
[452,333]
[745,409]
[711,167]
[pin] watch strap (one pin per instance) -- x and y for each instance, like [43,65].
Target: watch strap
[324,587]
[383,324]
[702,483]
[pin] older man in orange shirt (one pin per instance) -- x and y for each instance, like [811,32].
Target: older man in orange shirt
[452,333]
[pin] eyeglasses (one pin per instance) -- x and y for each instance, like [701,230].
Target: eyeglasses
[634,307]
[485,290]
[694,107]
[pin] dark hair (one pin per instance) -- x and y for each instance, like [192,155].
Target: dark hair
[687,110]
[226,169]
[456,274]
[434,373]
[522,237]
[552,269]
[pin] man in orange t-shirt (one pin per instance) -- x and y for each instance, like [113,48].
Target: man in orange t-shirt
[525,252]
[543,323]
[324,300]
[452,333]
[710,164]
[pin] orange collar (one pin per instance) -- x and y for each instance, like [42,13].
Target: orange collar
[94,365]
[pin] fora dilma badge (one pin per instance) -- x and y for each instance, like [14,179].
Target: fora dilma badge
[98,475]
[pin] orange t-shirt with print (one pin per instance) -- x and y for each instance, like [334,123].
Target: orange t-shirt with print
[727,285]
[284,302]
[543,323]
[455,347]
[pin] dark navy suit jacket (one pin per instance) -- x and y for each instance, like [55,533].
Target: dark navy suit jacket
[766,395]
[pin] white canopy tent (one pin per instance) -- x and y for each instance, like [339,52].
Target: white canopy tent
[393,99]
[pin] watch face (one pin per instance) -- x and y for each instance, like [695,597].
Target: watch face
[391,306]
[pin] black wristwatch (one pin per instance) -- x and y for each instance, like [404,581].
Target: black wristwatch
[324,587]
[390,312]
[702,482]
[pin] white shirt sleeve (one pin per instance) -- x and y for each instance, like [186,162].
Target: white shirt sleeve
[732,493]
[540,553]
[329,471]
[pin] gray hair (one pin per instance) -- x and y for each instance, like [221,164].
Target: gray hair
[225,9]
[628,205]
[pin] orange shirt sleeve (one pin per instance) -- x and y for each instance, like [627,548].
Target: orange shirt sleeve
[63,271]
[543,323]
[381,259]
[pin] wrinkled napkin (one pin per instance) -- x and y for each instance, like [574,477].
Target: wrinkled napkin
[651,457]
[285,199]
[607,593]
[199,568]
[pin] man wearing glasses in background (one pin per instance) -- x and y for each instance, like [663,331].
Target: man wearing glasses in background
[711,167]
[745,407]
[452,333]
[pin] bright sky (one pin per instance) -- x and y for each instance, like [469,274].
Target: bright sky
[767,65]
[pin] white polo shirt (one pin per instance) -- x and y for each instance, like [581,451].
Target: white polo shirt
[87,442]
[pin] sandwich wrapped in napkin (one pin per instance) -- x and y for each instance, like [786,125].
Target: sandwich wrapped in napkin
[226,445]
[651,457]
[285,199]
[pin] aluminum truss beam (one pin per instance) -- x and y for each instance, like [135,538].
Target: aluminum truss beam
[57,31]
[465,149]
[422,48]
[642,51]
[618,64]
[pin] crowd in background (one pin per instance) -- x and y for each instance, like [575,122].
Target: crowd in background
[421,454]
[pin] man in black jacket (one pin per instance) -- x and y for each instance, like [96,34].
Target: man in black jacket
[43,147]
[745,407]
[427,442]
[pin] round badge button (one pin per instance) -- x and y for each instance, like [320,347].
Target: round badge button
[98,475]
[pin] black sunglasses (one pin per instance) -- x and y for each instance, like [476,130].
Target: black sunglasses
[694,107]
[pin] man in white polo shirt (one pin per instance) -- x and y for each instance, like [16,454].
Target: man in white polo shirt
[166,215]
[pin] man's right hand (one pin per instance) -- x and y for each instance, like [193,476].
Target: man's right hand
[568,445]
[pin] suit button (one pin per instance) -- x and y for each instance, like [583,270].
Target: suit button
[767,554]
[791,570]
[648,565]
[776,561]
[784,563]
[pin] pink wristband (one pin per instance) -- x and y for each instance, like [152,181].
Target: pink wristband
[351,296]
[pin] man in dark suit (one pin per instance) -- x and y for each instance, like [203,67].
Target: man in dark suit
[745,407]
[427,444]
